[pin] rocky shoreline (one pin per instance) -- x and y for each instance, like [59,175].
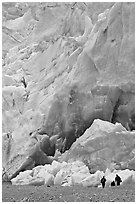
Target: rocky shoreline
[125,193]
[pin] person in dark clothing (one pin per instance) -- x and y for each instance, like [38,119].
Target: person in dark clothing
[103,181]
[113,183]
[118,180]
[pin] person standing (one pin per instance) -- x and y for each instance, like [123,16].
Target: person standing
[103,181]
[113,183]
[118,180]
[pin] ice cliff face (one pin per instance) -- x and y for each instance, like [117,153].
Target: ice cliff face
[104,145]
[65,65]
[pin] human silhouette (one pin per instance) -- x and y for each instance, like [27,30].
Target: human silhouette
[103,181]
[118,180]
[113,183]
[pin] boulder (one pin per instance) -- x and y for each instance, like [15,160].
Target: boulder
[36,154]
[35,182]
[91,181]
[23,179]
[54,168]
[78,177]
[60,177]
[129,180]
[71,174]
[37,177]
[102,145]
[42,173]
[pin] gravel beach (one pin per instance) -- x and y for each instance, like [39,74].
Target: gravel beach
[10,193]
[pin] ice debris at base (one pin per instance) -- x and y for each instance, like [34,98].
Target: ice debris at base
[69,174]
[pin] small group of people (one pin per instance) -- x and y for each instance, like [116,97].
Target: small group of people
[117,181]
